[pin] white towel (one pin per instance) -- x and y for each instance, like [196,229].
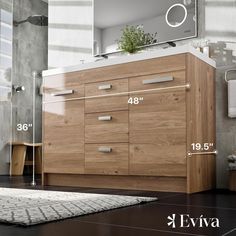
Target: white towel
[232,98]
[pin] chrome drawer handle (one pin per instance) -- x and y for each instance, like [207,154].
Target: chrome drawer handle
[158,80]
[105,149]
[105,118]
[105,87]
[62,93]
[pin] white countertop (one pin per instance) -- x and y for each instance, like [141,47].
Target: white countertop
[131,58]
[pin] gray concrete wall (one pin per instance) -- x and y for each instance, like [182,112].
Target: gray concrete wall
[30,47]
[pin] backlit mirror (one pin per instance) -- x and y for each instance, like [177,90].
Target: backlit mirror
[169,20]
[176,15]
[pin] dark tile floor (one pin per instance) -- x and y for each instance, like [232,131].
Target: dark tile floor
[141,220]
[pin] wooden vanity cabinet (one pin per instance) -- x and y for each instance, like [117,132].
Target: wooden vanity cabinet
[94,138]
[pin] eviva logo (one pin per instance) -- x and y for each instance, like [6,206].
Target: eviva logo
[185,221]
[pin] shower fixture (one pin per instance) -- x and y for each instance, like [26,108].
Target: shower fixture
[39,20]
[18,88]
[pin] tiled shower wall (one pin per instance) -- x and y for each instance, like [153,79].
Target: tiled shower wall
[30,48]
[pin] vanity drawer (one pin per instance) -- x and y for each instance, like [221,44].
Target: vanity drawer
[105,88]
[62,90]
[157,80]
[107,103]
[113,103]
[109,127]
[107,159]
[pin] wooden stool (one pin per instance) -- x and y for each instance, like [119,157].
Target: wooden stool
[232,180]
[19,151]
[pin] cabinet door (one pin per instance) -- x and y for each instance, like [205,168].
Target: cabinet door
[64,137]
[158,134]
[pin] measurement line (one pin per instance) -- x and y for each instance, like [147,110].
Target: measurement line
[202,153]
[33,183]
[186,86]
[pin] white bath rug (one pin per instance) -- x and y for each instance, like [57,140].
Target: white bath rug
[30,207]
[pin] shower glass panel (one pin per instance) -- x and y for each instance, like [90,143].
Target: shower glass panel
[6,39]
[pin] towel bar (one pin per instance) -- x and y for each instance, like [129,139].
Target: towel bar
[184,86]
[226,74]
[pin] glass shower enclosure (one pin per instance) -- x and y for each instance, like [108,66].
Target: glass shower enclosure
[6,39]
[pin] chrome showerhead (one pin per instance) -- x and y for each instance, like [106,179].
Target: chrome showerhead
[39,20]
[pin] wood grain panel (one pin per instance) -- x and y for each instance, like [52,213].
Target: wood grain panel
[149,183]
[232,180]
[157,160]
[117,103]
[138,68]
[51,86]
[162,137]
[160,102]
[67,163]
[114,163]
[63,113]
[200,123]
[107,103]
[64,138]
[114,130]
[157,128]
[155,121]
[136,83]
[117,86]
[18,160]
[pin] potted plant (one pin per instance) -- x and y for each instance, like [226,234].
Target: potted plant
[134,37]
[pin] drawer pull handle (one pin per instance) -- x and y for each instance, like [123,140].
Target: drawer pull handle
[105,118]
[105,87]
[158,80]
[105,149]
[62,93]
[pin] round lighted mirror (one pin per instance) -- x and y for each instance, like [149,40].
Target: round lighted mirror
[176,15]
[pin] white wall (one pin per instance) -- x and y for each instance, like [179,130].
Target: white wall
[70,35]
